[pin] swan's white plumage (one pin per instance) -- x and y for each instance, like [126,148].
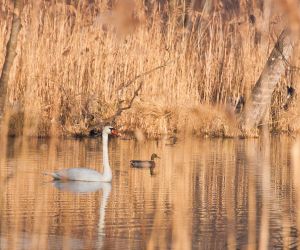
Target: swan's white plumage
[87,174]
[77,174]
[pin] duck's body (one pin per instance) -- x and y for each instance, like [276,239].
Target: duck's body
[87,174]
[144,164]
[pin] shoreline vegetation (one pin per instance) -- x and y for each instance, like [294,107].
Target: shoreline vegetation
[153,68]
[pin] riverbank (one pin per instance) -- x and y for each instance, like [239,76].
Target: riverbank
[154,122]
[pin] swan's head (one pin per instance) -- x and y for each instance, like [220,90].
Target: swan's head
[153,156]
[110,130]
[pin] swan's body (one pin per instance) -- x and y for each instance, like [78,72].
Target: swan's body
[86,174]
[77,174]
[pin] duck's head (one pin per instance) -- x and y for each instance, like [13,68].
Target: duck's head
[154,156]
[110,130]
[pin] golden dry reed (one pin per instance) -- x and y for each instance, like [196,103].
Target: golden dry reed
[77,61]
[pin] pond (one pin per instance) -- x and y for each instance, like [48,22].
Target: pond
[204,194]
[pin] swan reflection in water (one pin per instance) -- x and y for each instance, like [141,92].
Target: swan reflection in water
[88,187]
[82,186]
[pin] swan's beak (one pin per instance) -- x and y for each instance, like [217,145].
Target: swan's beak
[114,132]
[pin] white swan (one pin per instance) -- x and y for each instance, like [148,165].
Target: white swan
[86,174]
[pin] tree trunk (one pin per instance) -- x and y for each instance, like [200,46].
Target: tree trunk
[260,99]
[10,53]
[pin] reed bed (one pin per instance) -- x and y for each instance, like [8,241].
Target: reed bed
[77,62]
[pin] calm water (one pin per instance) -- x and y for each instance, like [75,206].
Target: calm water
[205,194]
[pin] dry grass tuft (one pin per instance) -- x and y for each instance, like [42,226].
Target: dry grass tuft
[156,120]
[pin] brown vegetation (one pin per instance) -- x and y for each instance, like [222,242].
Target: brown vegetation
[77,65]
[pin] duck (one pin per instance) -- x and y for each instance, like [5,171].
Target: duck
[144,164]
[87,174]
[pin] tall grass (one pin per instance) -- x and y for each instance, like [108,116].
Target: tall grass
[73,59]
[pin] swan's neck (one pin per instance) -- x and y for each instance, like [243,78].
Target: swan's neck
[107,174]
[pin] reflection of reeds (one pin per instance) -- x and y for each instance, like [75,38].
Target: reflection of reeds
[73,58]
[229,204]
[181,227]
[264,160]
[28,202]
[205,194]
[251,156]
[296,170]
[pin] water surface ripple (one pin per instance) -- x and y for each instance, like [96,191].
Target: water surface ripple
[205,194]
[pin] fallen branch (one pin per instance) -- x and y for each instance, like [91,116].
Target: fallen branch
[260,100]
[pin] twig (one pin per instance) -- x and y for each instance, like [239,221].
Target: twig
[127,84]
[121,109]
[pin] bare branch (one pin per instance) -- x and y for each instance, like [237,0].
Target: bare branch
[128,83]
[121,109]
[124,85]
[260,100]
